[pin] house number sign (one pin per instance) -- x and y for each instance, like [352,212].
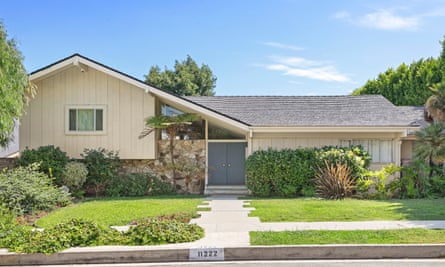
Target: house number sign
[206,254]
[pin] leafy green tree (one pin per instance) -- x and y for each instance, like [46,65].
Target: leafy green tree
[187,79]
[173,125]
[13,86]
[407,84]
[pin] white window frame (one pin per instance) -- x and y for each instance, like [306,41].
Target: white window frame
[93,107]
[370,144]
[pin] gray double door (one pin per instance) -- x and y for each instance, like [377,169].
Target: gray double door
[226,163]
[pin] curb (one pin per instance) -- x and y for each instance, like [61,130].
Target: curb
[305,252]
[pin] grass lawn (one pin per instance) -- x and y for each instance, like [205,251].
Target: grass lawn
[312,210]
[121,211]
[404,236]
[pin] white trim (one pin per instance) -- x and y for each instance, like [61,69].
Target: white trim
[227,141]
[339,129]
[94,107]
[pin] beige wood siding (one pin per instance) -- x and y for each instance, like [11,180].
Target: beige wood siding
[125,105]
[263,141]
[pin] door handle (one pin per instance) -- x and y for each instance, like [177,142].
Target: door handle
[228,164]
[224,165]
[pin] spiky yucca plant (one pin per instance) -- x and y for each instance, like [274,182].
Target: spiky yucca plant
[334,181]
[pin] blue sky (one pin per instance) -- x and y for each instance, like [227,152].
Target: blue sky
[254,47]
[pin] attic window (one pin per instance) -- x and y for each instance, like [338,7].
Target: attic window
[86,119]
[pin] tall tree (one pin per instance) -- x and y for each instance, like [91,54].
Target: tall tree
[408,84]
[13,86]
[186,79]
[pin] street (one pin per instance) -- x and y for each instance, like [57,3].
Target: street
[310,263]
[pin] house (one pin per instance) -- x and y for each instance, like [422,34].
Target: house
[82,104]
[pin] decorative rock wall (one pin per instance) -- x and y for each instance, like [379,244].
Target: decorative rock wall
[7,163]
[189,157]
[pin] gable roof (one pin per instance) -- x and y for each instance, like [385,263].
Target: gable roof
[243,112]
[313,111]
[84,63]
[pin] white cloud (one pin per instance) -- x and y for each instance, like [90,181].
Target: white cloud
[283,46]
[383,19]
[387,20]
[300,67]
[342,15]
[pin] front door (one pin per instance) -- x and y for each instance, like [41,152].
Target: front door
[226,163]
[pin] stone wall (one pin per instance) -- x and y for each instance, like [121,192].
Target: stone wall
[7,163]
[189,157]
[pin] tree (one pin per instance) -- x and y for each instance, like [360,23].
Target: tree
[14,86]
[407,84]
[435,104]
[173,125]
[187,79]
[430,144]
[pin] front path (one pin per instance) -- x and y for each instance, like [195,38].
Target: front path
[228,224]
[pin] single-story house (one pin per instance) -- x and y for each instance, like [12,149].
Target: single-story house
[82,103]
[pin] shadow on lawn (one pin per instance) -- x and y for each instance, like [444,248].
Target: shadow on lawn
[419,209]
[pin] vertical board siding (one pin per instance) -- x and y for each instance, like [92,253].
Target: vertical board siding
[126,106]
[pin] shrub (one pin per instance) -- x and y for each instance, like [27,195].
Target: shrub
[102,166]
[159,231]
[74,176]
[25,190]
[52,161]
[357,159]
[80,233]
[413,182]
[291,172]
[379,180]
[283,173]
[138,184]
[334,181]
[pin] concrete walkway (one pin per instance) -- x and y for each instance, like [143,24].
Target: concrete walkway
[228,224]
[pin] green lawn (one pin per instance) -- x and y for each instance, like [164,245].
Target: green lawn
[121,211]
[404,236]
[312,210]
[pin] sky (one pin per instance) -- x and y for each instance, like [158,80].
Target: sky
[254,47]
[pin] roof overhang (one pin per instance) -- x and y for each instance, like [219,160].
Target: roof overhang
[191,107]
[84,64]
[338,129]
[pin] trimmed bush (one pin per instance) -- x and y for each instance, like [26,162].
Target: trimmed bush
[102,165]
[25,190]
[292,172]
[281,173]
[74,176]
[52,161]
[138,184]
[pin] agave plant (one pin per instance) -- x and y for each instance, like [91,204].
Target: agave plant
[334,181]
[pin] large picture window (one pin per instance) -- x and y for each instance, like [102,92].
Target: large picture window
[86,119]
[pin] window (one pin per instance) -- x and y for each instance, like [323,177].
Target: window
[380,150]
[86,119]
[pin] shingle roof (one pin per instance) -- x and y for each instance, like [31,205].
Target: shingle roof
[287,111]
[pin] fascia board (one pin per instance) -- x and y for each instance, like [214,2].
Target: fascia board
[377,129]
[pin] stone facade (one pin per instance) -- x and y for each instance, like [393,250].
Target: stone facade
[7,163]
[189,157]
